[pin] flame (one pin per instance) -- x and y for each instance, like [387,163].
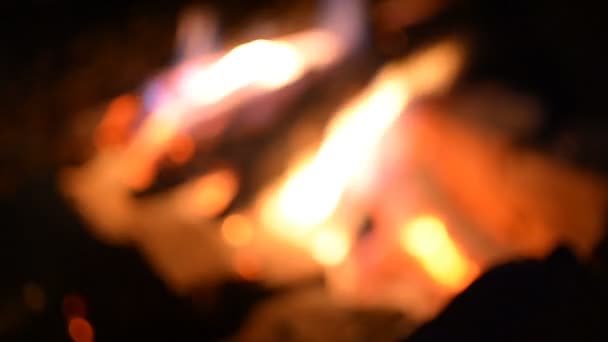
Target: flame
[427,240]
[260,66]
[201,88]
[264,63]
[271,64]
[182,149]
[196,33]
[210,86]
[312,192]
[113,129]
[330,247]
[193,91]
[304,206]
[247,265]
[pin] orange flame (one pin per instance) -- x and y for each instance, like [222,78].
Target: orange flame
[113,129]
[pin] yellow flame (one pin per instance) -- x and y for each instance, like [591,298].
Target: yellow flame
[312,192]
[427,240]
[330,247]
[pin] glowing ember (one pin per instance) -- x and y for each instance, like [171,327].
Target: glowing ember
[304,207]
[114,128]
[428,241]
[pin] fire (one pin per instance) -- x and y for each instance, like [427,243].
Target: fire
[303,208]
[312,193]
[212,84]
[427,240]
[330,247]
[251,69]
[138,131]
[263,63]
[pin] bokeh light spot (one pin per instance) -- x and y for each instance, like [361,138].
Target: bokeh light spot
[237,230]
[80,330]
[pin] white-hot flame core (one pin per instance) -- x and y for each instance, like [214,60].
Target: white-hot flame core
[266,65]
[311,196]
[263,63]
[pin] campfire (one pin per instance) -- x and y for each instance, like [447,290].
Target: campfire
[371,197]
